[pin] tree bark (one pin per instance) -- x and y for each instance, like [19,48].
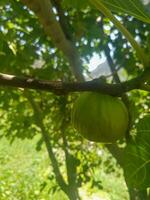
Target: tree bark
[62,88]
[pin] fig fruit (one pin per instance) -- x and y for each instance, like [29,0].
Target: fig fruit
[100,118]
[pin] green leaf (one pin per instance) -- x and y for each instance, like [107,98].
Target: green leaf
[78,4]
[141,54]
[132,7]
[144,124]
[137,157]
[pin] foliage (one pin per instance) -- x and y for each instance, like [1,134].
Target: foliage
[26,50]
[137,172]
[132,7]
[26,174]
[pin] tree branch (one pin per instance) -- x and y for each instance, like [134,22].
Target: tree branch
[61,88]
[44,11]
[39,121]
[63,20]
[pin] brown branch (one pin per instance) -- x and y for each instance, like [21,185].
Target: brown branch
[63,20]
[61,88]
[43,9]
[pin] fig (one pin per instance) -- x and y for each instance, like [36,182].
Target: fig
[99,117]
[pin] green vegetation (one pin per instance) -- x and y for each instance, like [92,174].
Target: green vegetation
[100,118]
[26,174]
[45,51]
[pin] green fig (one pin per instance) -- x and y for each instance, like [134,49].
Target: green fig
[100,118]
